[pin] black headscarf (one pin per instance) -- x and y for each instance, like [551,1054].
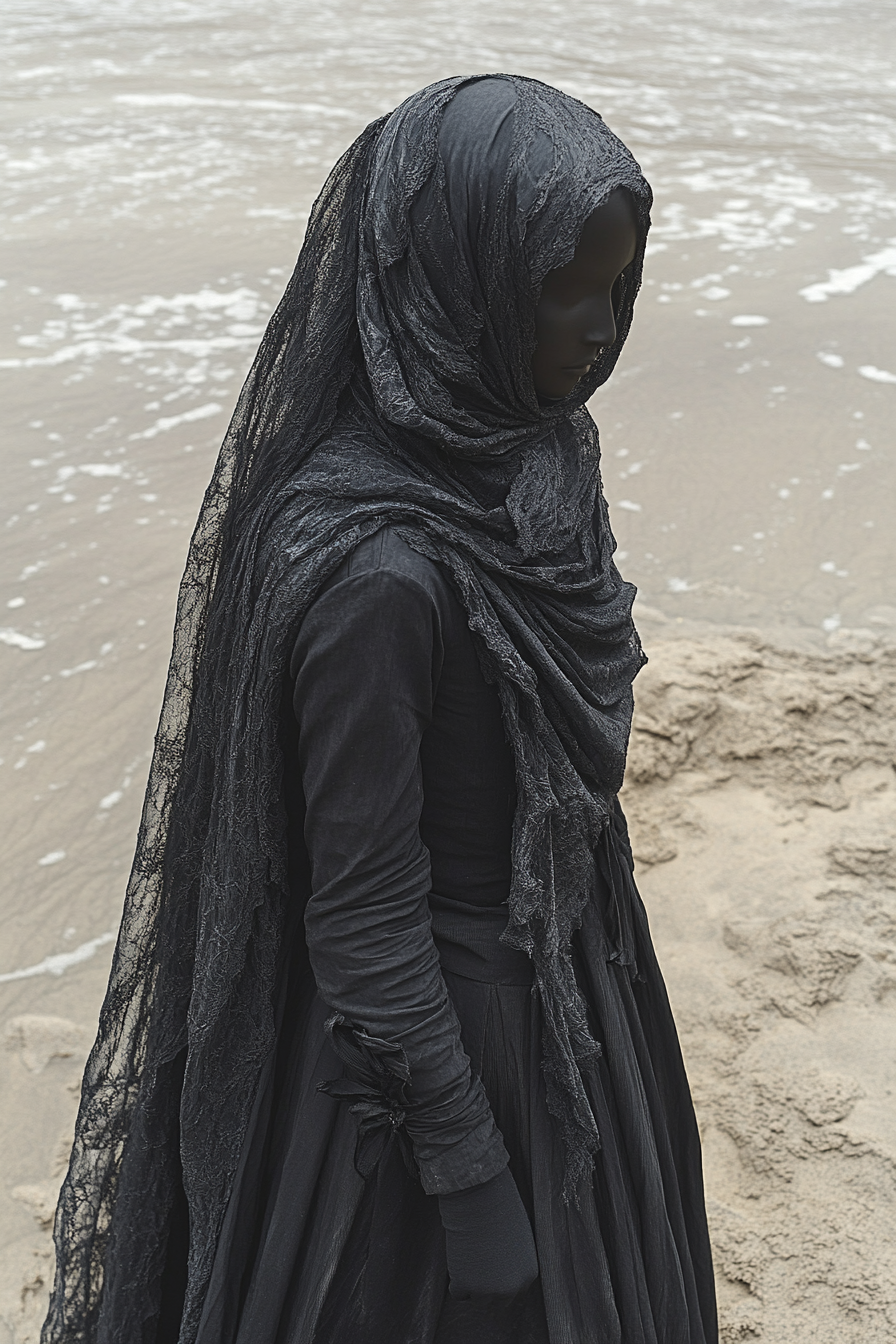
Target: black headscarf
[393,386]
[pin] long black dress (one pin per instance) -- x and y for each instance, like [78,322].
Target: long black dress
[213,1189]
[407,787]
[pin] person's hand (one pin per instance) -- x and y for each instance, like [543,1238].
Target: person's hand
[488,1238]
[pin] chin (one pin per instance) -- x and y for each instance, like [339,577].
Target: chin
[556,391]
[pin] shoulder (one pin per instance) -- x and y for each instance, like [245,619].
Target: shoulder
[388,554]
[385,596]
[384,569]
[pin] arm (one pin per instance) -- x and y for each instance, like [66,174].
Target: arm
[366,665]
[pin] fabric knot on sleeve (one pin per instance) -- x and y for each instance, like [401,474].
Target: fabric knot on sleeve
[375,1084]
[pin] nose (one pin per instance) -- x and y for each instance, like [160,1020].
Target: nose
[600,327]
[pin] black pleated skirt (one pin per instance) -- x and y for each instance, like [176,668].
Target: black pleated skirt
[312,1254]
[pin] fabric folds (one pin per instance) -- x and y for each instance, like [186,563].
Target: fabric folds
[375,1087]
[630,1261]
[392,388]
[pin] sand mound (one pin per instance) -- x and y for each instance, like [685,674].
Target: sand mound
[761,795]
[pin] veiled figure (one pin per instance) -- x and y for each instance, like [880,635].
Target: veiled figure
[386,1056]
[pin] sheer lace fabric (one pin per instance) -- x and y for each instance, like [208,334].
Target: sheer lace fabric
[393,385]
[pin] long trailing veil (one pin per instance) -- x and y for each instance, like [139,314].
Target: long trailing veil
[392,385]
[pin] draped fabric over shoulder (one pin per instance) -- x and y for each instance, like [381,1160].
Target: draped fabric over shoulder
[393,388]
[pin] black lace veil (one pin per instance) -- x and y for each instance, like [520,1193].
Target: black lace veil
[392,385]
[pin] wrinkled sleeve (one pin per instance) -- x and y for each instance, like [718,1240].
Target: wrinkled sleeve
[366,665]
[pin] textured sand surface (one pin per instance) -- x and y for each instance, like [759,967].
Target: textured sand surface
[158,165]
[762,797]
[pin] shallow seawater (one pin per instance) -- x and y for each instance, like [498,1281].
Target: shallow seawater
[158,165]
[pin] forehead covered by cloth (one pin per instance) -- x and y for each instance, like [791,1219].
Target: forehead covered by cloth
[478,189]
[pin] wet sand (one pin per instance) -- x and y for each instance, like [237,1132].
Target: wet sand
[157,175]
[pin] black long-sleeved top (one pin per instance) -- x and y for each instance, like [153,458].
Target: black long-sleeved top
[409,793]
[408,786]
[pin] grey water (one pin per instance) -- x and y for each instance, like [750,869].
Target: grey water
[158,165]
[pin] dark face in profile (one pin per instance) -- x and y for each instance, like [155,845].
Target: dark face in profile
[574,317]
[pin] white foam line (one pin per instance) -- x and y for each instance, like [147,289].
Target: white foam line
[129,346]
[170,421]
[61,961]
[262,104]
[877,375]
[102,468]
[19,641]
[206,300]
[39,71]
[849,280]
[81,667]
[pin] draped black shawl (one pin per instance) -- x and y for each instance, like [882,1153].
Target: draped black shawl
[393,385]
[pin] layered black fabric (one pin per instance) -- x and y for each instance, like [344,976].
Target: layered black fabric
[392,386]
[403,810]
[329,1236]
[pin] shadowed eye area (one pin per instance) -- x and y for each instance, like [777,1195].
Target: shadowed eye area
[576,312]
